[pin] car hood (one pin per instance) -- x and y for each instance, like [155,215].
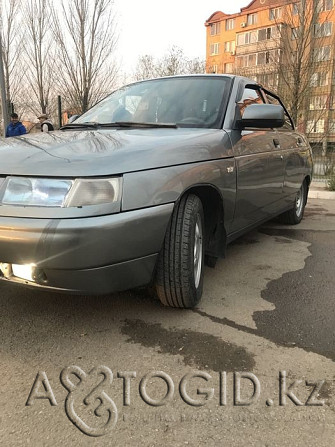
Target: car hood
[108,152]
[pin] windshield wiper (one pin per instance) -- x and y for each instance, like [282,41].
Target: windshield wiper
[123,124]
[91,125]
[143,125]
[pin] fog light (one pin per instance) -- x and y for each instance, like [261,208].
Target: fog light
[24,271]
[39,276]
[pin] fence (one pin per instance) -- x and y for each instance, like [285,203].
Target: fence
[324,166]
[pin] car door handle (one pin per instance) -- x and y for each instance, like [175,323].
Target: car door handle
[276,143]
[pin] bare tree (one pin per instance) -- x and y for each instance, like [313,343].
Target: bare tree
[174,62]
[85,36]
[145,68]
[12,49]
[306,65]
[39,54]
[294,57]
[196,65]
[303,43]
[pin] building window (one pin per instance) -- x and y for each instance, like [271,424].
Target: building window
[229,47]
[215,28]
[319,79]
[263,58]
[241,39]
[248,60]
[275,13]
[258,35]
[264,34]
[268,79]
[251,19]
[323,29]
[246,38]
[318,102]
[325,5]
[230,24]
[331,126]
[294,33]
[321,54]
[314,80]
[267,57]
[213,69]
[314,126]
[214,48]
[296,9]
[229,67]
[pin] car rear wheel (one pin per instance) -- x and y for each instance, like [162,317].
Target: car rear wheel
[296,213]
[179,275]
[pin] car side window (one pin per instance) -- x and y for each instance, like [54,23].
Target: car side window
[251,95]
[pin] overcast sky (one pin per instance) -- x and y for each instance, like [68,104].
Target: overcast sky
[152,27]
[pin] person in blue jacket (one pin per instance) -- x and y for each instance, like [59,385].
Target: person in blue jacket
[15,127]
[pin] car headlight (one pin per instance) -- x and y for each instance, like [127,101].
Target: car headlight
[61,193]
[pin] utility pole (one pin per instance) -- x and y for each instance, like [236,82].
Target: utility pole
[59,101]
[2,81]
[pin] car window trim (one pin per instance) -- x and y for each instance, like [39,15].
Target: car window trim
[268,92]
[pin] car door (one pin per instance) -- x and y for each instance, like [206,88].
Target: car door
[295,150]
[260,167]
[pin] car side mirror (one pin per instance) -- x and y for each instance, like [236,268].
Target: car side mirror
[72,118]
[262,116]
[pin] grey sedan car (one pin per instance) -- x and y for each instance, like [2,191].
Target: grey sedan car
[148,185]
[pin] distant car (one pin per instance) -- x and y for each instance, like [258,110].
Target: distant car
[148,184]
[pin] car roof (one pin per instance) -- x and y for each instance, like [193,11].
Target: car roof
[203,75]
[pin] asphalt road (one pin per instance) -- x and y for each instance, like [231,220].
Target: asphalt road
[262,335]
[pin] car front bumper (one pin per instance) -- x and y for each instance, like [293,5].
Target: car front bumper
[94,255]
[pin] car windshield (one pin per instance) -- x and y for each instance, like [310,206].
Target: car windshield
[184,101]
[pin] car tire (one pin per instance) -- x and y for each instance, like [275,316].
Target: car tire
[179,274]
[296,213]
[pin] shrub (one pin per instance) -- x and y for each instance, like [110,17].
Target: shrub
[331,183]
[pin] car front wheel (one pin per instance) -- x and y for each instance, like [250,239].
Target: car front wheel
[179,275]
[296,213]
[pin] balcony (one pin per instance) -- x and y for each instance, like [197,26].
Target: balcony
[264,45]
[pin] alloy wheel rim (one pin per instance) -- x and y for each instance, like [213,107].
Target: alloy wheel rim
[198,248]
[299,201]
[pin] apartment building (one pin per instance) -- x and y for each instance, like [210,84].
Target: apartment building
[288,46]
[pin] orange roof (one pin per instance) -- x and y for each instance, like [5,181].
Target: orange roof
[252,6]
[216,17]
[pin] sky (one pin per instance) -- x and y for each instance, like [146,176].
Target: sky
[152,27]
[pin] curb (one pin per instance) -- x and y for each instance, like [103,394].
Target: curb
[318,190]
[314,194]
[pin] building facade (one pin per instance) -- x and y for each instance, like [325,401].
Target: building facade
[288,46]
